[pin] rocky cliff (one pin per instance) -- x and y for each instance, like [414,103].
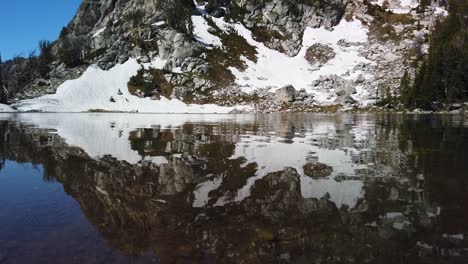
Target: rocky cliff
[231,52]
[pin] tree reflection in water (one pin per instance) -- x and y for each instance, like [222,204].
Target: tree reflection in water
[237,192]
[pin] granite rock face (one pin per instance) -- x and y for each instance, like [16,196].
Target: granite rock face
[283,22]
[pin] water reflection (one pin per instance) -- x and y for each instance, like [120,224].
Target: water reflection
[292,188]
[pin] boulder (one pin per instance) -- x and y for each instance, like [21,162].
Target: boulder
[42,82]
[341,93]
[301,95]
[319,54]
[286,94]
[465,106]
[360,79]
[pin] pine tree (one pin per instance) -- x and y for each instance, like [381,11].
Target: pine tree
[423,4]
[405,88]
[2,91]
[70,52]
[443,76]
[1,71]
[45,58]
[63,33]
[3,82]
[179,16]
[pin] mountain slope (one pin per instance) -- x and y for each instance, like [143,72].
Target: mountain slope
[338,52]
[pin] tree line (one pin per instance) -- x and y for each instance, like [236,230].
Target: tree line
[19,72]
[443,75]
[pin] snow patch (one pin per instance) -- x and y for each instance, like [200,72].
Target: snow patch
[403,7]
[159,24]
[156,63]
[201,31]
[99,32]
[440,11]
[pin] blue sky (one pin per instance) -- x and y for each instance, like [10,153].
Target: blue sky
[24,22]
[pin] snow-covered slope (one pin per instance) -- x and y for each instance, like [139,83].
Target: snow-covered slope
[344,53]
[99,90]
[275,69]
[6,108]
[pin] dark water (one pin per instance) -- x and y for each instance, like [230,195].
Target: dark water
[298,188]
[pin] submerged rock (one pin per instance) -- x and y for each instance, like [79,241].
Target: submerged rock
[317,170]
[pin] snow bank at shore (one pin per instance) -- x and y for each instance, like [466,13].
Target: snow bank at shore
[102,90]
[6,109]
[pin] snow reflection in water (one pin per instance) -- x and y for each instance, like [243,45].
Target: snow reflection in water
[289,182]
[257,140]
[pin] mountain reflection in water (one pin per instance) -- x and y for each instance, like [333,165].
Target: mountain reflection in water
[292,188]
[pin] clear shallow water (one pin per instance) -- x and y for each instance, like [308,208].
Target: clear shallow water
[297,188]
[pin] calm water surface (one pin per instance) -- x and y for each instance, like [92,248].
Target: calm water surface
[291,188]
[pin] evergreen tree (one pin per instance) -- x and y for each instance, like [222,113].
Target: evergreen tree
[179,15]
[70,52]
[1,71]
[405,87]
[63,33]
[2,87]
[423,4]
[443,76]
[30,71]
[45,58]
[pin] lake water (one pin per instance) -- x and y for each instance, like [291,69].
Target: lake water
[279,188]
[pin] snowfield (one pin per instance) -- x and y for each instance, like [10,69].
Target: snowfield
[275,69]
[98,89]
